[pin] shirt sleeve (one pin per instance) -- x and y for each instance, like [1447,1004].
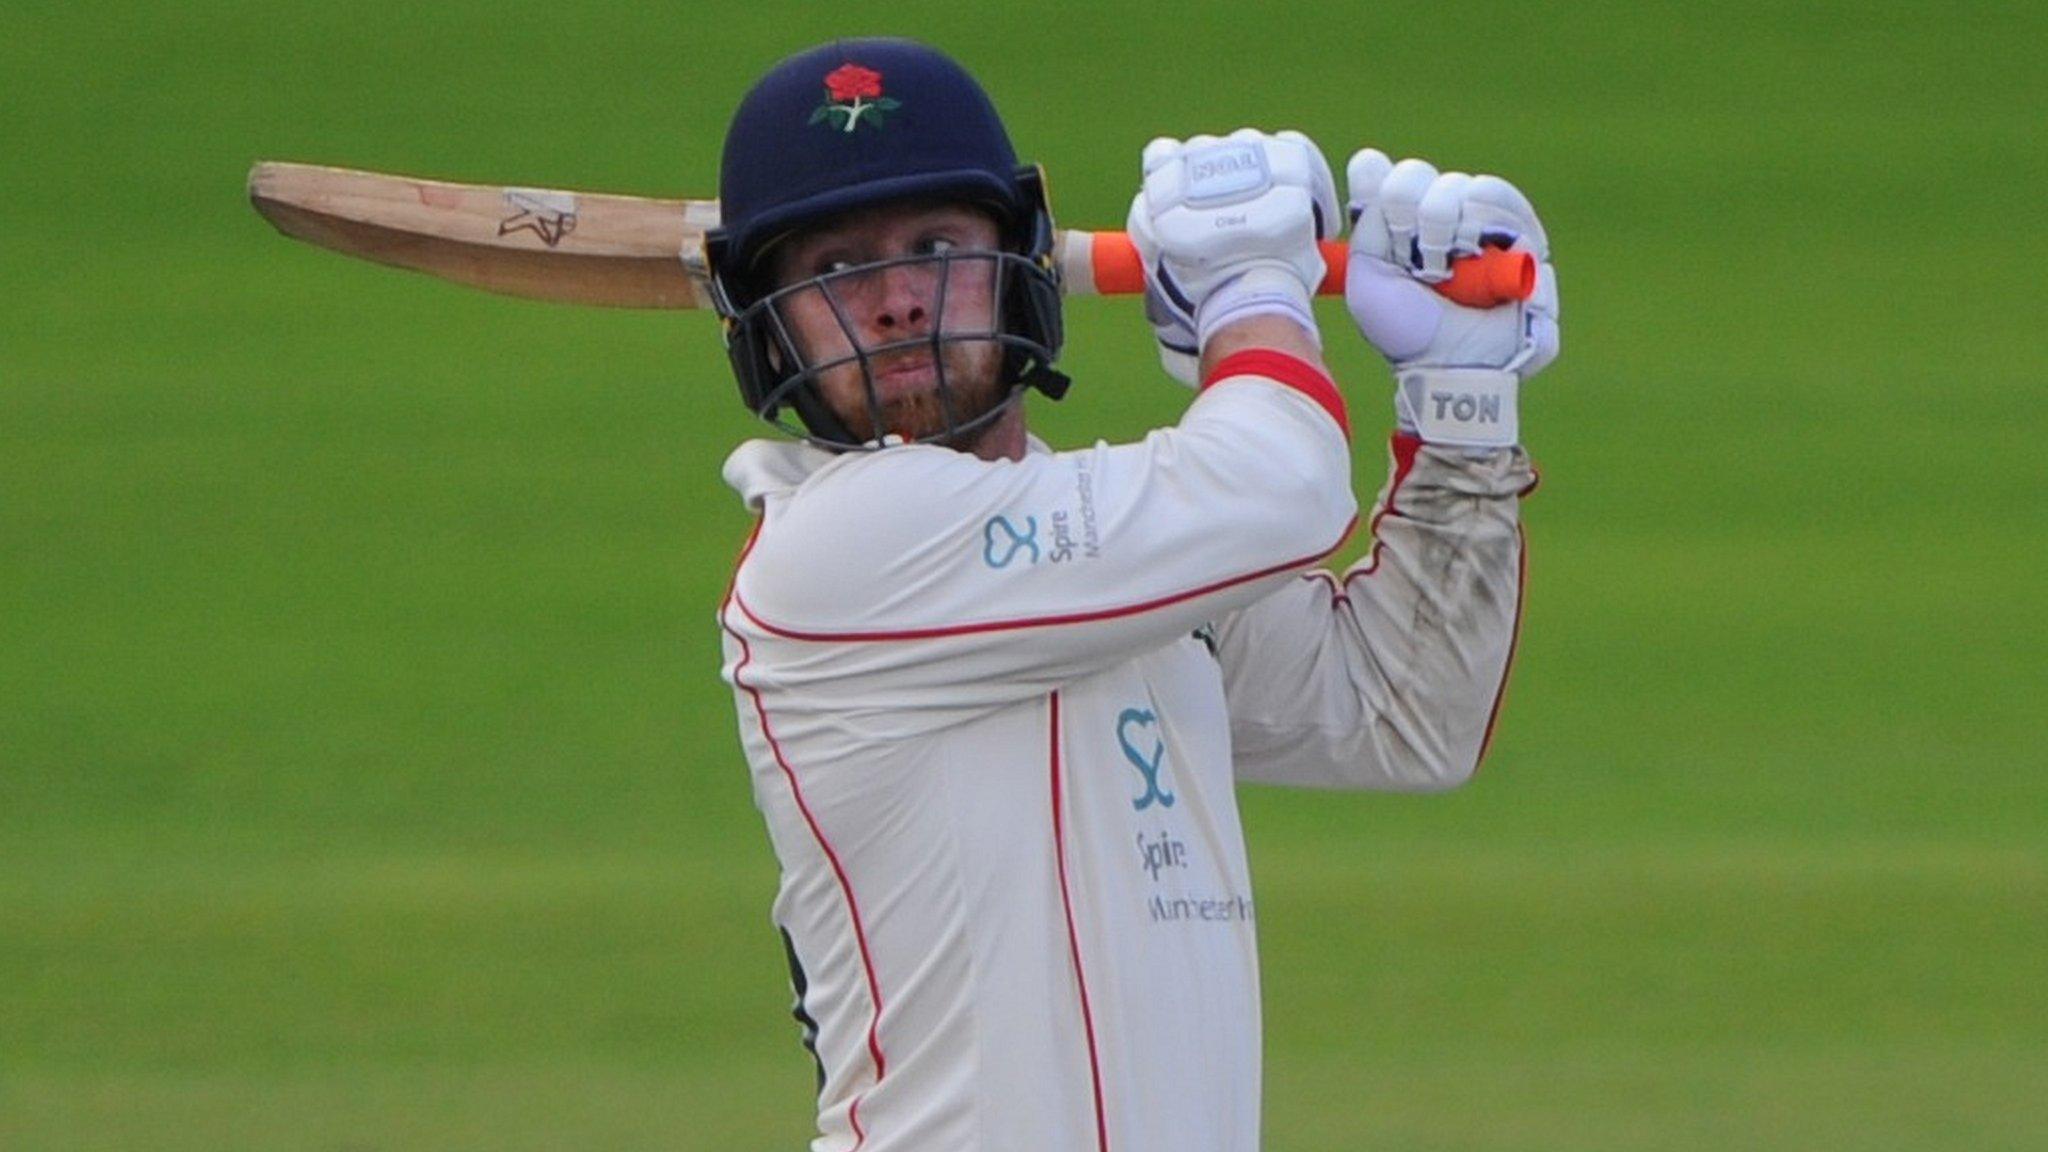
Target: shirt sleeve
[1390,675]
[924,575]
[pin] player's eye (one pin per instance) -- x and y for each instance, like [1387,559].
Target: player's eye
[832,266]
[936,245]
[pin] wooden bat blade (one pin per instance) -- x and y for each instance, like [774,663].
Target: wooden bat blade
[543,244]
[645,252]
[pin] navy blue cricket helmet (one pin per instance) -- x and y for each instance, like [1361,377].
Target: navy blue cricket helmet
[851,125]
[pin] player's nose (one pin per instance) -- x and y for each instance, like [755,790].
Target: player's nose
[905,298]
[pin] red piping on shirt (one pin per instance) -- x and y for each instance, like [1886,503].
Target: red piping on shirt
[1292,371]
[1059,848]
[1404,447]
[1040,621]
[1337,595]
[1500,694]
[860,935]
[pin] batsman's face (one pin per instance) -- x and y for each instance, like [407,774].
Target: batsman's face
[890,316]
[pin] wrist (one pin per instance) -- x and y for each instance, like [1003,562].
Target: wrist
[1262,290]
[1261,334]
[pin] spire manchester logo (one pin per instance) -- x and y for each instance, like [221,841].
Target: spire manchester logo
[998,553]
[1148,762]
[853,96]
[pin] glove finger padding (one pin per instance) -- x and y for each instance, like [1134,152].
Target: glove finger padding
[1400,203]
[1322,186]
[1363,175]
[1158,151]
[1436,225]
[1494,207]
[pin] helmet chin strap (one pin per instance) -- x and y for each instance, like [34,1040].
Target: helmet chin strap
[1047,379]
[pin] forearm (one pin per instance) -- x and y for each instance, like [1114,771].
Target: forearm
[1439,602]
[1389,677]
[1271,332]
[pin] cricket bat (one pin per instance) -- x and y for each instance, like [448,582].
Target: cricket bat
[642,252]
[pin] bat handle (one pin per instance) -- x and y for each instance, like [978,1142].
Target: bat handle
[1107,264]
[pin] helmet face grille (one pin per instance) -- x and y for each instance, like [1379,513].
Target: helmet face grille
[973,316]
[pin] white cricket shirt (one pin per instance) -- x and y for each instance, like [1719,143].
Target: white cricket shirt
[995,760]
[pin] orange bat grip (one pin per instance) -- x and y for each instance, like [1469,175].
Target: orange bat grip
[1493,276]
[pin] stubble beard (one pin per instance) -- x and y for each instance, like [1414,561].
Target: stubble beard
[973,389]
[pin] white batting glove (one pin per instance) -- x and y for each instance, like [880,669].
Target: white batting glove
[1458,370]
[1227,229]
[1179,352]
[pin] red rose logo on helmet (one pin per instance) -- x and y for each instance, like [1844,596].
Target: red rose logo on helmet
[853,95]
[853,82]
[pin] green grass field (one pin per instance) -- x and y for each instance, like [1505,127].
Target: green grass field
[366,781]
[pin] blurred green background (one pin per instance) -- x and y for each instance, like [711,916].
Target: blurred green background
[365,777]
